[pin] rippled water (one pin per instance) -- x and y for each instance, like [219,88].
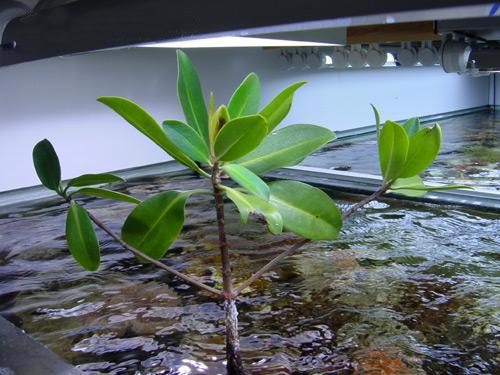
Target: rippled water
[407,289]
[470,153]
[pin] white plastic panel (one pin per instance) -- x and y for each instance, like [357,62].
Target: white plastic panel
[55,99]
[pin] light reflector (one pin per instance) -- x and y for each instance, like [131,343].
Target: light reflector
[234,42]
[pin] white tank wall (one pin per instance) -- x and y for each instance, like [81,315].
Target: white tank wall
[55,99]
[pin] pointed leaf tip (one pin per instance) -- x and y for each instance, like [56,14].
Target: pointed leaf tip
[423,148]
[81,238]
[246,98]
[306,210]
[393,150]
[377,119]
[190,95]
[286,147]
[94,179]
[278,108]
[411,126]
[107,194]
[47,165]
[142,121]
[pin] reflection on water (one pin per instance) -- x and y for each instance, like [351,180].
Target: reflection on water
[470,153]
[410,289]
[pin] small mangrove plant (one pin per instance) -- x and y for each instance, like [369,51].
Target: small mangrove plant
[236,142]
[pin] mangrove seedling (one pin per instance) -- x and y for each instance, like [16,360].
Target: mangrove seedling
[239,141]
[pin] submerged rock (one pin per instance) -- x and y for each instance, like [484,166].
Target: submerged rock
[389,361]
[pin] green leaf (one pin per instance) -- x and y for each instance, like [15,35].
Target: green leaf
[306,210]
[410,187]
[286,147]
[107,194]
[216,122]
[154,224]
[392,150]
[142,121]
[239,136]
[246,98]
[47,165]
[81,238]
[248,204]
[415,187]
[377,119]
[447,187]
[413,193]
[93,179]
[187,140]
[211,105]
[411,126]
[191,95]
[279,107]
[248,180]
[423,149]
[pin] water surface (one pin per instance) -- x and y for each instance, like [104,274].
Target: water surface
[408,288]
[470,153]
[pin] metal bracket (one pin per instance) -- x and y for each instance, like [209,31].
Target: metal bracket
[10,9]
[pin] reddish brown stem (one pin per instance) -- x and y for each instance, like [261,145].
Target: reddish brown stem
[157,263]
[357,206]
[299,245]
[269,265]
[234,363]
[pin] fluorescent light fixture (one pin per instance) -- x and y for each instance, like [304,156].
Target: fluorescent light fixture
[234,41]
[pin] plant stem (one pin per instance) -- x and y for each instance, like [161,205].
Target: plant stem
[365,201]
[299,245]
[269,265]
[157,263]
[234,363]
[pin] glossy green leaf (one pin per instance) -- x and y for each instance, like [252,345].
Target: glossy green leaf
[47,165]
[246,98]
[412,193]
[423,149]
[191,95]
[107,194]
[411,126]
[216,122]
[248,204]
[410,187]
[239,136]
[249,180]
[211,105]
[142,121]
[93,179]
[447,187]
[377,120]
[279,107]
[187,140]
[81,238]
[392,150]
[154,224]
[306,210]
[415,187]
[286,147]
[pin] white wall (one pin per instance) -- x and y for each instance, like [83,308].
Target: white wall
[55,99]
